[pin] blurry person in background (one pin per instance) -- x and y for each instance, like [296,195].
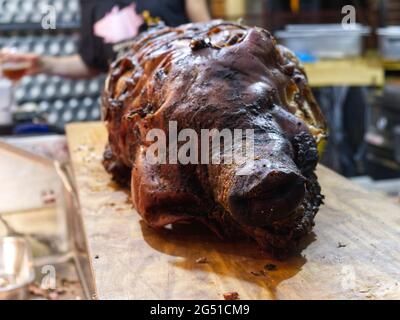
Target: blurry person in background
[105,26]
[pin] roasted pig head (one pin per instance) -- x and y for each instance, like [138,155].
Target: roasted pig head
[216,77]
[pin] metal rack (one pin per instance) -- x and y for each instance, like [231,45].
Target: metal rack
[58,100]
[20,14]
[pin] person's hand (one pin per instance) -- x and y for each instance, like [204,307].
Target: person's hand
[31,60]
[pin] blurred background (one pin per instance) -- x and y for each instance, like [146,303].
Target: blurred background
[354,73]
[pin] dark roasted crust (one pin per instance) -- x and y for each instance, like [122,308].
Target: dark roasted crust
[199,75]
[282,238]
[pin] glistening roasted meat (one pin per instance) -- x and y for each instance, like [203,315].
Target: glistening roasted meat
[218,75]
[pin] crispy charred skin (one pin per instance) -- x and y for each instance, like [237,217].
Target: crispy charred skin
[218,75]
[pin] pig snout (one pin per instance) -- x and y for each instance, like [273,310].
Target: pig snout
[273,186]
[276,196]
[269,186]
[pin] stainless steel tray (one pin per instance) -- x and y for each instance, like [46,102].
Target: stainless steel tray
[389,42]
[330,41]
[16,268]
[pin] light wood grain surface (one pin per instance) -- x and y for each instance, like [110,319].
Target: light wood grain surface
[353,253]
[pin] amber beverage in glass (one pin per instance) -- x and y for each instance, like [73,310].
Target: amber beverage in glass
[15,71]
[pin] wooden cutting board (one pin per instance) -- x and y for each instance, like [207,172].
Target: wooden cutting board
[353,253]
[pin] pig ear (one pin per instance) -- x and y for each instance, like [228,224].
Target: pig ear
[161,194]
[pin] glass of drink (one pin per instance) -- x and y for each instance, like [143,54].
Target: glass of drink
[12,67]
[13,70]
